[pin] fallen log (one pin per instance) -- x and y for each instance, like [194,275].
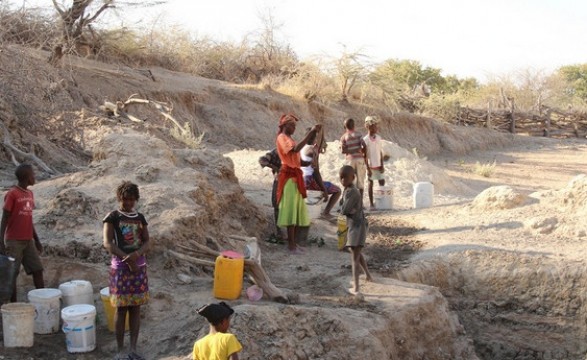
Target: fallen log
[255,270]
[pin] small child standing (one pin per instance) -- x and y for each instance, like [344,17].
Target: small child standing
[218,344]
[373,156]
[353,146]
[351,206]
[126,237]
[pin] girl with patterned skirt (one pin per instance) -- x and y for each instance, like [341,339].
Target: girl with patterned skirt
[126,237]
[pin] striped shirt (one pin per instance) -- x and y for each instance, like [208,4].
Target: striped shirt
[352,143]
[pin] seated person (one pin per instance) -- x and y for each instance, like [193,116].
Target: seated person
[313,179]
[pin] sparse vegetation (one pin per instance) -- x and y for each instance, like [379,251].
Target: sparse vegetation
[262,59]
[187,136]
[485,170]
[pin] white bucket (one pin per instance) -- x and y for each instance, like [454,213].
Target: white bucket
[18,323]
[77,292]
[423,194]
[383,197]
[79,326]
[47,306]
[314,203]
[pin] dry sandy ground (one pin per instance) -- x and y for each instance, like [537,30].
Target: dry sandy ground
[322,276]
[191,194]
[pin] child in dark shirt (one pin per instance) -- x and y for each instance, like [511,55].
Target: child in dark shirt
[126,237]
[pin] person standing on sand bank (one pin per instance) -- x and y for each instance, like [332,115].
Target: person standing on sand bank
[272,161]
[126,237]
[373,156]
[351,206]
[291,190]
[18,237]
[353,147]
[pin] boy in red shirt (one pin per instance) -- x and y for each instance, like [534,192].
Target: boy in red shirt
[18,237]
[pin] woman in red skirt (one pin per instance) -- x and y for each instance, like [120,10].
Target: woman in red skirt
[126,237]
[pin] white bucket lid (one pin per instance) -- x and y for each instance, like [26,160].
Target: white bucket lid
[105,291]
[18,308]
[44,294]
[76,287]
[74,312]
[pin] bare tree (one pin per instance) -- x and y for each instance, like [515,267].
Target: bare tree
[350,69]
[78,17]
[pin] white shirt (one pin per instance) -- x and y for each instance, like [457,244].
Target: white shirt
[307,170]
[374,148]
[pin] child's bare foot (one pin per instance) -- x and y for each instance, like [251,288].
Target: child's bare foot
[354,291]
[369,278]
[296,251]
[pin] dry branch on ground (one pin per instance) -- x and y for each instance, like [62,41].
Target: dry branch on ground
[252,266]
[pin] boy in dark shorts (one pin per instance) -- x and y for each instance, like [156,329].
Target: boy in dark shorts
[18,237]
[351,206]
[219,343]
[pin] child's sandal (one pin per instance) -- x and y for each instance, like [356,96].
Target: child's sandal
[135,356]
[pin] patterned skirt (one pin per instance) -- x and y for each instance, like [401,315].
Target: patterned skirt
[128,288]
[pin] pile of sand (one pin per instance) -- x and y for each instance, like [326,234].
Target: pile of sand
[185,194]
[498,198]
[402,169]
[567,210]
[573,197]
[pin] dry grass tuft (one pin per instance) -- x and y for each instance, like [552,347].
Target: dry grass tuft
[485,170]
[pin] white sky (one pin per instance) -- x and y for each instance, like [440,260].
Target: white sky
[476,38]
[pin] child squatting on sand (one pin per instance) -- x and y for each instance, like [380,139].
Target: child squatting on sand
[351,206]
[218,344]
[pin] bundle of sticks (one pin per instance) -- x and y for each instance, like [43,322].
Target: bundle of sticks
[202,255]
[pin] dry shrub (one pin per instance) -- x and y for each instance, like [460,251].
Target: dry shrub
[30,27]
[308,81]
[485,170]
[445,107]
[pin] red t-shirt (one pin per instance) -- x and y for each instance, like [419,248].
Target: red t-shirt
[20,203]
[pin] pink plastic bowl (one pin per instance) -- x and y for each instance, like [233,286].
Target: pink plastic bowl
[254,293]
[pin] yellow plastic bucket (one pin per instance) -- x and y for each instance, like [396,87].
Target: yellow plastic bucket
[109,309]
[228,277]
[341,231]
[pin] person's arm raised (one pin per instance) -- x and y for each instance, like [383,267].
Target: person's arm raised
[304,141]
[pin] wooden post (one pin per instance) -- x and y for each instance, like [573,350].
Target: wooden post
[512,117]
[547,123]
[488,121]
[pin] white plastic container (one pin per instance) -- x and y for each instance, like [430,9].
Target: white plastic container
[18,323]
[383,197]
[47,305]
[423,195]
[79,326]
[77,292]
